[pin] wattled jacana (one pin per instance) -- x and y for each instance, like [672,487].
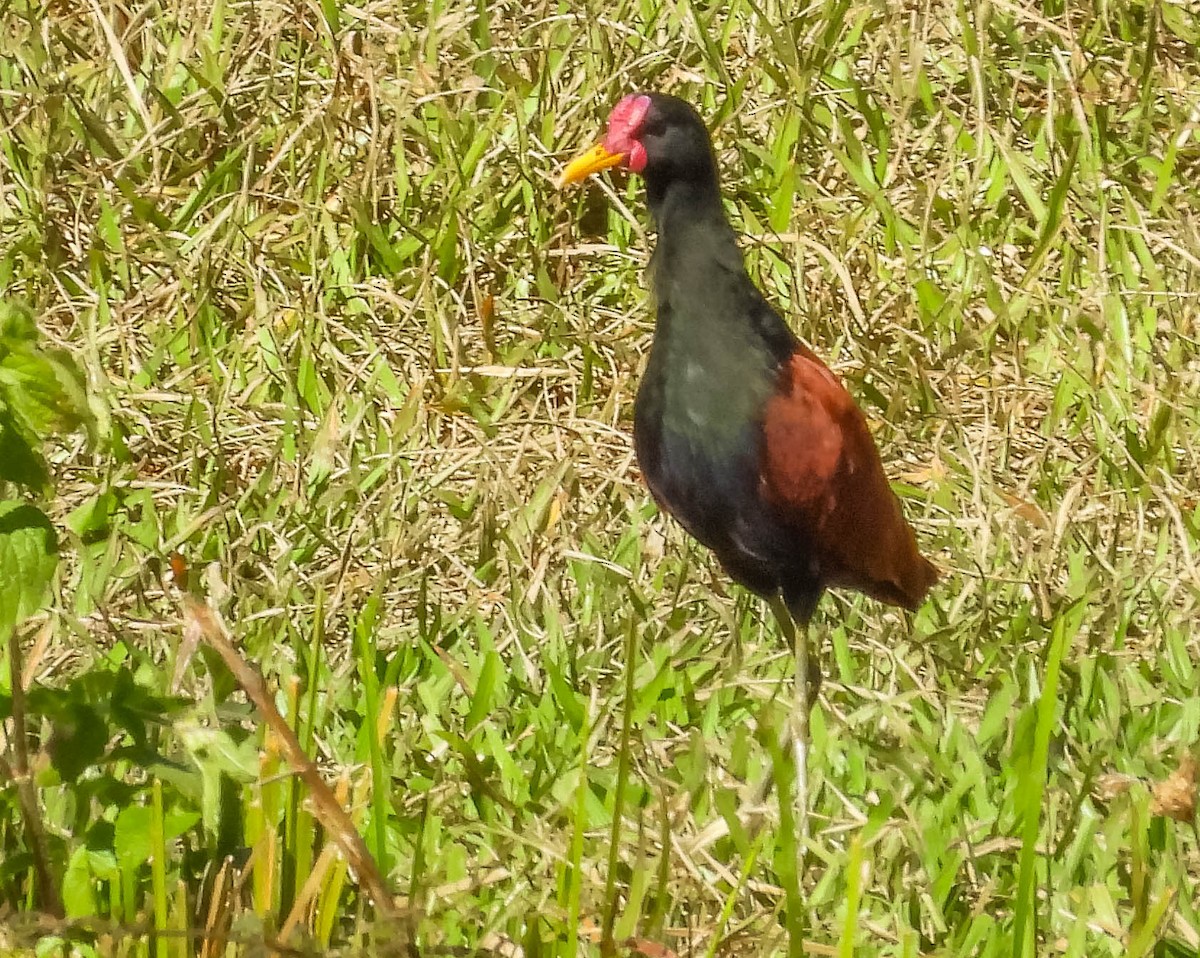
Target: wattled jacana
[742,433]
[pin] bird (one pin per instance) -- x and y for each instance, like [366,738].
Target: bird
[741,432]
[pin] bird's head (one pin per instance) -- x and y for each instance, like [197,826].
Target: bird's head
[659,136]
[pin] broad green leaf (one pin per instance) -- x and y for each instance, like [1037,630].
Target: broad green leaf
[131,837]
[20,462]
[28,554]
[17,329]
[41,392]
[80,737]
[31,391]
[78,888]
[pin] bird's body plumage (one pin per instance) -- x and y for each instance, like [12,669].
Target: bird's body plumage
[741,432]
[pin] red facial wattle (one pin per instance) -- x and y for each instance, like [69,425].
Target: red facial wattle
[624,125]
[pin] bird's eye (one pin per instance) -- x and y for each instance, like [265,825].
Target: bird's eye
[652,127]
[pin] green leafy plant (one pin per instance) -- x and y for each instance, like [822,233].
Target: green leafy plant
[41,394]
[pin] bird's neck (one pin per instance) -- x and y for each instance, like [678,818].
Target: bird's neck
[678,203]
[709,312]
[696,245]
[694,236]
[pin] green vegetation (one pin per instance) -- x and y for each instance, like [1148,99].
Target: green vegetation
[351,355]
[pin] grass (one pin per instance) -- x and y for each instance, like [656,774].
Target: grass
[353,357]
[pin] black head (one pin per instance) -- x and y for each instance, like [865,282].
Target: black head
[659,136]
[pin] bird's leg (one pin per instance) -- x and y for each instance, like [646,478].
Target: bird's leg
[798,639]
[751,813]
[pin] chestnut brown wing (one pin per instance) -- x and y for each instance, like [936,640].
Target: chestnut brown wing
[821,470]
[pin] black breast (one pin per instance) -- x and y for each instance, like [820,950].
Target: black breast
[712,488]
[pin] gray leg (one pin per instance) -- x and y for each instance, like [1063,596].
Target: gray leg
[798,639]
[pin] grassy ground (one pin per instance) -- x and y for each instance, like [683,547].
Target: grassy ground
[357,361]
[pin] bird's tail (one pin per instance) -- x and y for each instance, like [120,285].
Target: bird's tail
[903,576]
[915,580]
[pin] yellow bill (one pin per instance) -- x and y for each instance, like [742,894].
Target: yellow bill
[583,166]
